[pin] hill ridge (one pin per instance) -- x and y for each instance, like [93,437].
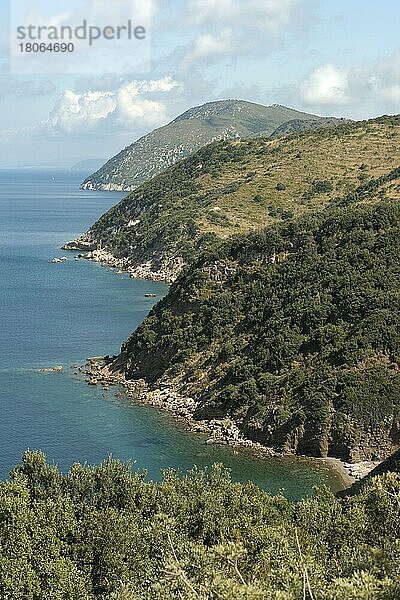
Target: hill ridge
[187,133]
[231,187]
[283,317]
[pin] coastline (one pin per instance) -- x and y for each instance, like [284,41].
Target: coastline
[350,473]
[96,371]
[144,270]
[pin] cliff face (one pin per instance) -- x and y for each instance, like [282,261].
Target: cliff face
[291,332]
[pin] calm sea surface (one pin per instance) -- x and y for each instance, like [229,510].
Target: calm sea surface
[54,314]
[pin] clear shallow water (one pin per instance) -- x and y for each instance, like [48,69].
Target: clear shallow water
[62,313]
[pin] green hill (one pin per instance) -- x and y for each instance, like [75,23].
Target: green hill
[197,127]
[291,332]
[231,187]
[285,315]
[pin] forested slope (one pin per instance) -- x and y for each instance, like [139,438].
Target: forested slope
[292,331]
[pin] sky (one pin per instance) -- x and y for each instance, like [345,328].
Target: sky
[327,57]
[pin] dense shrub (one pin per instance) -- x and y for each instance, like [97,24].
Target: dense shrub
[322,187]
[301,318]
[104,533]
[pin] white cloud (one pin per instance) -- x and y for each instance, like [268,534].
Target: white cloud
[94,111]
[80,111]
[209,47]
[325,85]
[130,108]
[384,79]
[237,27]
[267,15]
[375,87]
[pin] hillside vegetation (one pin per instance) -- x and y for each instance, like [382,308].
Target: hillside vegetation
[231,187]
[292,331]
[197,127]
[286,316]
[104,533]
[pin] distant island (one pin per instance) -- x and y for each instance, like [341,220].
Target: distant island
[88,164]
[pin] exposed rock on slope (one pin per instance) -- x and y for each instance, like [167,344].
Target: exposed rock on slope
[389,465]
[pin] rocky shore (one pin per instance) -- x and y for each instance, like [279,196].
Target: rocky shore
[106,187]
[165,397]
[219,431]
[167,273]
[351,472]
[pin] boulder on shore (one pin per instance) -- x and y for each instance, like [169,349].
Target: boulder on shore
[74,245]
[56,369]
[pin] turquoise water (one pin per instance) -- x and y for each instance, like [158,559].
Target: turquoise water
[54,314]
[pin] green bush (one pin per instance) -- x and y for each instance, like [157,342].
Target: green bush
[105,533]
[322,187]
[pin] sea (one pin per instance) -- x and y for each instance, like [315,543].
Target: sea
[61,314]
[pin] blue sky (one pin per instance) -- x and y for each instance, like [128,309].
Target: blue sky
[331,57]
